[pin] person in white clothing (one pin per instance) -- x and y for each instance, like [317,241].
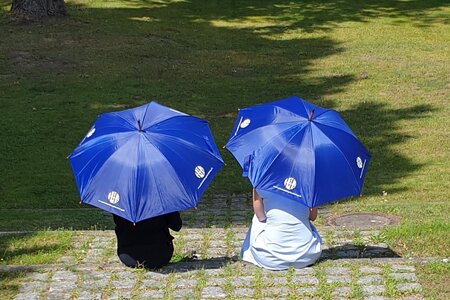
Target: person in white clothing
[281,234]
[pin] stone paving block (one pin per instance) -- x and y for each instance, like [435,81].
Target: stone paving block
[183,294]
[214,272]
[275,291]
[213,293]
[217,281]
[305,271]
[151,283]
[62,284]
[185,283]
[120,295]
[376,298]
[403,276]
[275,280]
[338,270]
[342,291]
[124,280]
[243,293]
[403,268]
[373,289]
[151,294]
[305,290]
[305,280]
[87,295]
[67,260]
[412,297]
[409,287]
[33,286]
[243,281]
[27,296]
[36,276]
[370,270]
[370,279]
[338,279]
[53,295]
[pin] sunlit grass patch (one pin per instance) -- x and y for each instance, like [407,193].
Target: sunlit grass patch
[423,240]
[40,247]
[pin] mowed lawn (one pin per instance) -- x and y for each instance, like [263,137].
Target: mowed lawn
[384,65]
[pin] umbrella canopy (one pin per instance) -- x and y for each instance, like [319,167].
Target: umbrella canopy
[146,161]
[303,151]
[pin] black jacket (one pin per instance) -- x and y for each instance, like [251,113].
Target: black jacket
[148,241]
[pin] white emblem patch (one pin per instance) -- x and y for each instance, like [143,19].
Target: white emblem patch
[113,197]
[359,162]
[200,172]
[290,183]
[91,132]
[245,123]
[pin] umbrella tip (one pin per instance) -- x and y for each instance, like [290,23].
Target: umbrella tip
[139,125]
[311,115]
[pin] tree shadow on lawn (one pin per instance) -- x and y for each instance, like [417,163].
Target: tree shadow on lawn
[208,59]
[378,126]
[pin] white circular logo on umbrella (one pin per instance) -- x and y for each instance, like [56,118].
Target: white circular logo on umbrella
[359,162]
[113,197]
[91,132]
[290,183]
[199,172]
[245,123]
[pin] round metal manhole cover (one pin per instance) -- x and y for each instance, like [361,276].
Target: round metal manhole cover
[362,220]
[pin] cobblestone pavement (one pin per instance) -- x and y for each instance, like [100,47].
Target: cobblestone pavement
[353,265]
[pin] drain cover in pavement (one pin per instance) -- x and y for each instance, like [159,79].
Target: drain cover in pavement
[362,220]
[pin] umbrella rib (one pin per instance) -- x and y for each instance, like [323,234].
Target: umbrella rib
[201,183]
[362,169]
[279,153]
[106,203]
[337,128]
[87,146]
[133,126]
[168,161]
[237,129]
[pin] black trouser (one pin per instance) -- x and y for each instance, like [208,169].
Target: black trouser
[148,256]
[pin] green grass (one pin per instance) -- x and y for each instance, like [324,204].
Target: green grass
[382,64]
[435,275]
[10,283]
[34,248]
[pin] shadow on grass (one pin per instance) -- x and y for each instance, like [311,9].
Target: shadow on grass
[207,58]
[11,281]
[379,128]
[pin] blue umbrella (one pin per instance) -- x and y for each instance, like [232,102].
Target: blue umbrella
[146,161]
[303,151]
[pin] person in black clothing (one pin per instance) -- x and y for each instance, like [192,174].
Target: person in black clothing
[147,243]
